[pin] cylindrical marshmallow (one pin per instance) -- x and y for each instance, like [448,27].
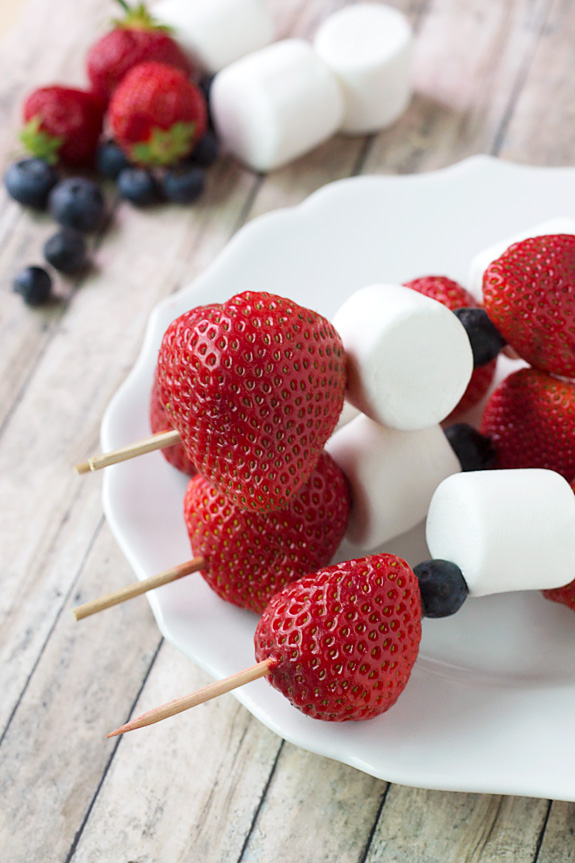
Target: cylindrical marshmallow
[368,47]
[409,357]
[392,476]
[505,529]
[482,260]
[218,32]
[276,104]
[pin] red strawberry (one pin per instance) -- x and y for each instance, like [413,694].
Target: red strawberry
[137,38]
[566,594]
[255,387]
[159,422]
[530,419]
[156,115]
[454,296]
[529,294]
[63,124]
[249,555]
[343,641]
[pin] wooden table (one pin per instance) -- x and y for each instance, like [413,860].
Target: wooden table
[491,76]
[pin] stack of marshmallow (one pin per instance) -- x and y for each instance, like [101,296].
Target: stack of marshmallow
[271,103]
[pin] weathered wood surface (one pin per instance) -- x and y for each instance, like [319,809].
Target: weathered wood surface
[490,76]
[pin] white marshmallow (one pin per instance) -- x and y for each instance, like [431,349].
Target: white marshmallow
[505,529]
[368,47]
[218,32]
[482,260]
[409,357]
[276,104]
[392,476]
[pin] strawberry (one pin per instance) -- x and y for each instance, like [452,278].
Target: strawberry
[250,556]
[62,124]
[342,642]
[136,38]
[156,115]
[454,296]
[530,419]
[159,422]
[255,387]
[566,594]
[529,294]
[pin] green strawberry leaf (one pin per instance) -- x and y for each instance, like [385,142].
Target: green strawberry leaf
[138,18]
[165,146]
[41,144]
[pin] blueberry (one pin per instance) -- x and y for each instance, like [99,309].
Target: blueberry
[206,150]
[34,284]
[30,181]
[485,339]
[77,203]
[442,586]
[138,186]
[66,251]
[205,85]
[110,160]
[474,450]
[184,185]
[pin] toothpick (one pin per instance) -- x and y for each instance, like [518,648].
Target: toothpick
[161,440]
[139,587]
[213,690]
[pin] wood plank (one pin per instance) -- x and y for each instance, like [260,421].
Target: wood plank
[185,790]
[541,128]
[328,811]
[432,826]
[558,845]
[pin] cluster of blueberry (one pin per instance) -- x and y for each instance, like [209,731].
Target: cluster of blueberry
[77,203]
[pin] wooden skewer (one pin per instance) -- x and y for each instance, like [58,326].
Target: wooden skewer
[139,587]
[195,698]
[160,440]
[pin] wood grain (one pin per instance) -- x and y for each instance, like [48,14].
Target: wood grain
[215,785]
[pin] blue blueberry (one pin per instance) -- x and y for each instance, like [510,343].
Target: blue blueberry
[66,251]
[111,160]
[474,450]
[442,587]
[30,181]
[206,150]
[77,203]
[34,284]
[184,185]
[485,339]
[138,186]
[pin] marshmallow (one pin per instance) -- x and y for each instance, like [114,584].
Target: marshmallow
[409,357]
[392,476]
[505,529]
[218,32]
[482,260]
[276,104]
[369,49]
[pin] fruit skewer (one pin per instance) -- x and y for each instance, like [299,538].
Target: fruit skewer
[340,644]
[246,557]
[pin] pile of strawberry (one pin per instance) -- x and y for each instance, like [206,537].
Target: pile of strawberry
[144,124]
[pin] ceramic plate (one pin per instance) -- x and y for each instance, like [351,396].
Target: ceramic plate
[491,700]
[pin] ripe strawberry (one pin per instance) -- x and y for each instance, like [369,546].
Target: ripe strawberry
[159,422]
[63,124]
[566,594]
[136,38]
[156,115]
[255,387]
[454,296]
[250,556]
[530,419]
[343,641]
[529,294]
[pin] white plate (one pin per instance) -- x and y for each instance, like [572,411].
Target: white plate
[490,706]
